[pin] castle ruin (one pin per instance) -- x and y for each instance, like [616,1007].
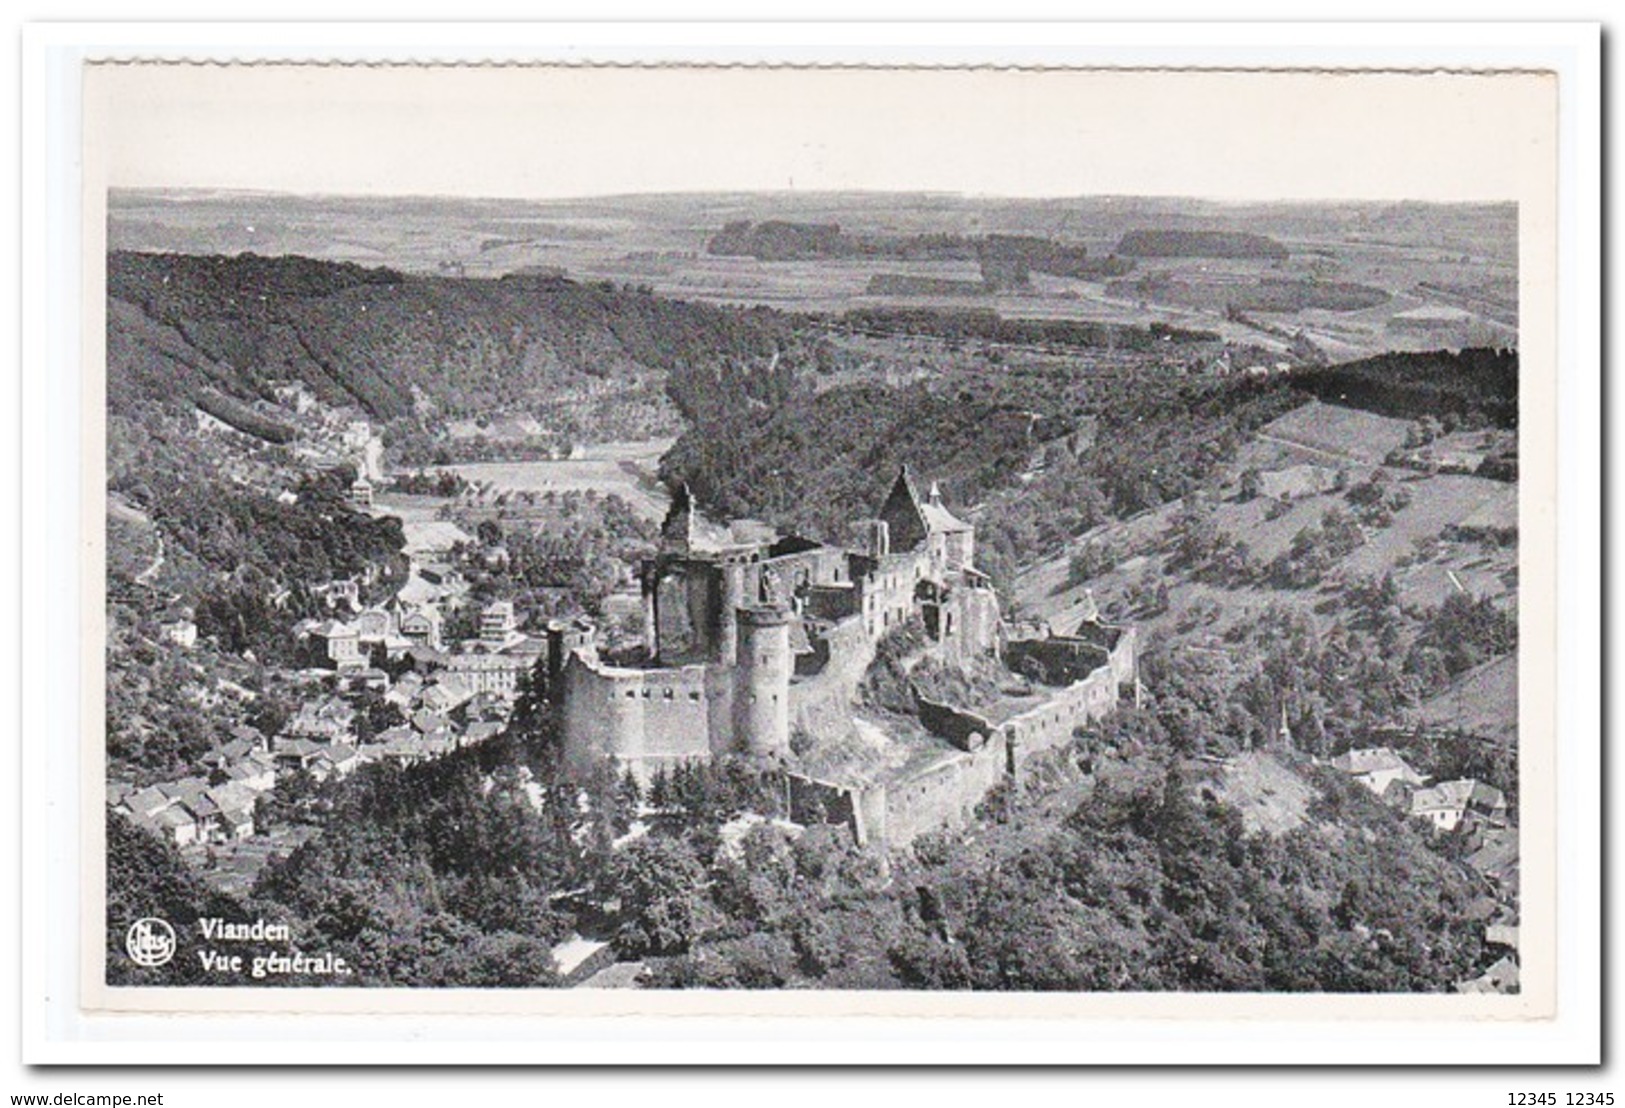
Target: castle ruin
[751,636]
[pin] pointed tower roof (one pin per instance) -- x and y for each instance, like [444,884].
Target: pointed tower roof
[677,530]
[910,518]
[903,513]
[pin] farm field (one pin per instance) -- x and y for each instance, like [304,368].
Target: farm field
[1327,435]
[625,469]
[1420,256]
[1427,566]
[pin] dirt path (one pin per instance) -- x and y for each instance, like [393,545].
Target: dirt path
[1290,444]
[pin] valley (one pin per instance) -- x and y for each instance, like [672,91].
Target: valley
[375,466]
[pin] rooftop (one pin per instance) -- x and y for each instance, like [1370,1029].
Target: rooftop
[1376,759]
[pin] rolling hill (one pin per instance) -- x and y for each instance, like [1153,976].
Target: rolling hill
[181,325]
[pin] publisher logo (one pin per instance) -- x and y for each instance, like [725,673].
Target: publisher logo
[150,942]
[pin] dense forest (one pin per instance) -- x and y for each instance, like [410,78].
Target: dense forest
[823,459]
[813,461]
[465,871]
[1006,260]
[762,444]
[384,341]
[960,324]
[1476,387]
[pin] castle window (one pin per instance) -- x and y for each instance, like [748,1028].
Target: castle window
[631,694]
[646,694]
[668,694]
[694,696]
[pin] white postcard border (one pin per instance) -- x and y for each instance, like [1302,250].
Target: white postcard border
[54,397]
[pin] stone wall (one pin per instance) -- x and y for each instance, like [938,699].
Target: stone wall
[822,704]
[1118,641]
[641,718]
[966,730]
[1060,660]
[1051,724]
[943,794]
[888,590]
[969,622]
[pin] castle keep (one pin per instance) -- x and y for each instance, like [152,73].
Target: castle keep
[751,636]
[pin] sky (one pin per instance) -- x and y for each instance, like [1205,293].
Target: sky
[557,132]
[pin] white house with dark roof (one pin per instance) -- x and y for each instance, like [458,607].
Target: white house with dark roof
[1378,767]
[1446,804]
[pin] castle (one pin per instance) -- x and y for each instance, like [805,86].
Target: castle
[751,637]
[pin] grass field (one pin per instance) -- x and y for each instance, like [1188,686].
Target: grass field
[1270,797]
[1483,701]
[1426,567]
[625,469]
[1324,434]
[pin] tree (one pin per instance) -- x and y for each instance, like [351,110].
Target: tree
[662,887]
[1252,483]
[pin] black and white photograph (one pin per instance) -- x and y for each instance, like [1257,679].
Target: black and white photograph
[726,544]
[873,589]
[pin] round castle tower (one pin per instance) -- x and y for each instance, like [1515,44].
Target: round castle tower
[761,707]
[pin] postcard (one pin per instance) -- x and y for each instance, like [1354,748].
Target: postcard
[1042,541]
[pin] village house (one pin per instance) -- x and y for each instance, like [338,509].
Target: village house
[1377,768]
[335,760]
[328,720]
[360,492]
[295,754]
[426,722]
[340,594]
[411,747]
[435,585]
[476,733]
[498,625]
[231,751]
[446,694]
[257,772]
[182,632]
[421,626]
[191,811]
[1446,804]
[403,694]
[235,801]
[490,707]
[1496,859]
[331,644]
[371,679]
[488,670]
[377,627]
